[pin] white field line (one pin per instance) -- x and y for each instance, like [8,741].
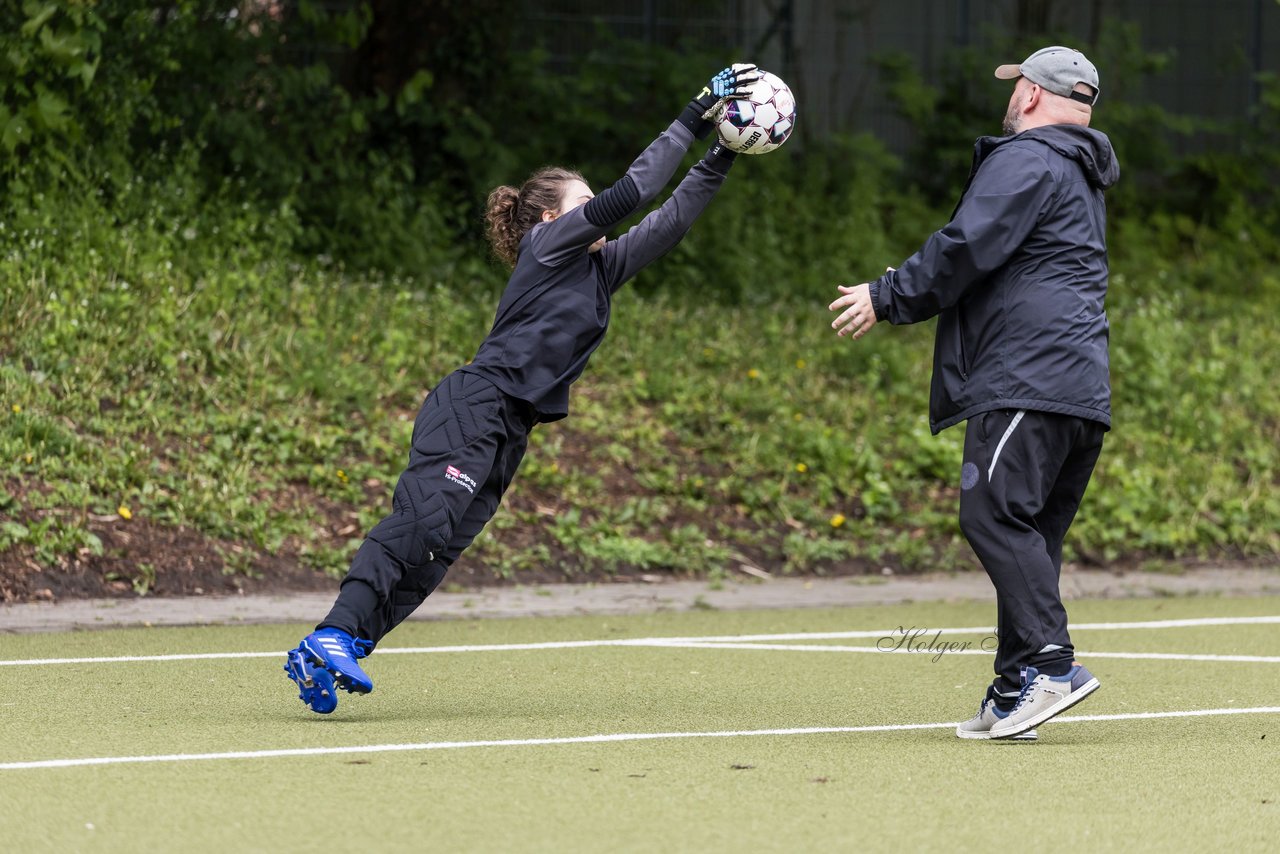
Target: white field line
[584,739]
[200,656]
[672,641]
[1180,656]
[941,650]
[921,648]
[1096,627]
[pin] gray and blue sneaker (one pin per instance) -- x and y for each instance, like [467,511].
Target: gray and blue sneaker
[1044,696]
[326,660]
[989,714]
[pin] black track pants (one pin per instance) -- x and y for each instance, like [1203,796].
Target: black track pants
[1024,475]
[468,441]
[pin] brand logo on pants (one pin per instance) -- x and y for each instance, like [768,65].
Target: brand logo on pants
[455,474]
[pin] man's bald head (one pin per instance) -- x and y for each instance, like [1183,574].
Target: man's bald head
[1032,106]
[1055,85]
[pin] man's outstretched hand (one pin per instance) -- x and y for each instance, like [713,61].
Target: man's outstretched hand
[858,315]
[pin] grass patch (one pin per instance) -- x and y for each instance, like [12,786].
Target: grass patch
[1170,781]
[270,405]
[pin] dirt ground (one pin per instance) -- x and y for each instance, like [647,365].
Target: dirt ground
[151,574]
[627,598]
[149,561]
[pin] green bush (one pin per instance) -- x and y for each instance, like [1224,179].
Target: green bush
[230,279]
[271,405]
[1206,177]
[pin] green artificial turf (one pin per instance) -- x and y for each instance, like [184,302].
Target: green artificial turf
[1150,784]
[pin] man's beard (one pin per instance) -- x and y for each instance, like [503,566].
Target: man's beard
[1010,126]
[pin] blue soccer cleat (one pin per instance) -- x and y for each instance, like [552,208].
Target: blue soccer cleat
[315,684]
[324,661]
[336,651]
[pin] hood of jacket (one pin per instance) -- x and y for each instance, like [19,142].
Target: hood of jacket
[1090,148]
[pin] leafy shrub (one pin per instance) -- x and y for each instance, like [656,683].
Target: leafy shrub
[231,277]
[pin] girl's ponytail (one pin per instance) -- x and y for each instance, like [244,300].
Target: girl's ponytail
[510,213]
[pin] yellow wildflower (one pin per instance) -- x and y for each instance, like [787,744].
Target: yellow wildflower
[837,520]
[125,512]
[16,409]
[801,363]
[802,468]
[753,374]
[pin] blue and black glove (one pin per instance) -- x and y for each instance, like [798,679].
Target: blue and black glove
[732,82]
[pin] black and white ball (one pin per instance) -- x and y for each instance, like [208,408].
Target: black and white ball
[761,122]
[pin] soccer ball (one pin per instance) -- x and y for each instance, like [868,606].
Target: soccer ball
[761,122]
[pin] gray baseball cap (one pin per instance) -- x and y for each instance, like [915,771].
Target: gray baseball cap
[1057,69]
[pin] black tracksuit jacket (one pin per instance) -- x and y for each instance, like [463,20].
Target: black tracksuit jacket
[555,309]
[1017,279]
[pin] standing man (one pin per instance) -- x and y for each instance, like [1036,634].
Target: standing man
[1018,279]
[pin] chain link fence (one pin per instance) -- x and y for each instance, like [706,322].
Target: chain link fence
[825,50]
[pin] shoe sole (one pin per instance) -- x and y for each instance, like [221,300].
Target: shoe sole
[339,678]
[315,685]
[1035,720]
[1029,735]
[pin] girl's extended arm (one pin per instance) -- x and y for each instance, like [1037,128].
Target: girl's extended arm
[569,234]
[657,233]
[556,241]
